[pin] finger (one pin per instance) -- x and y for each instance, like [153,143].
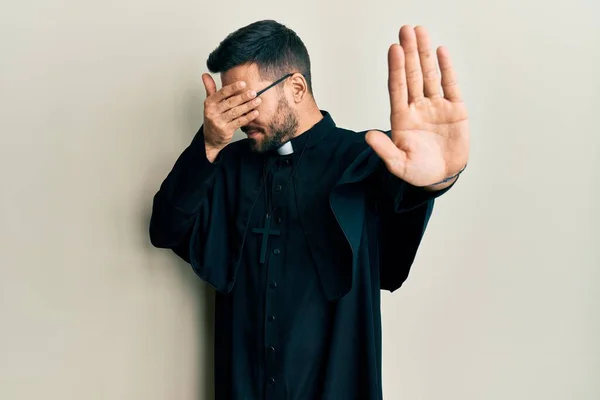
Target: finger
[449,81]
[235,100]
[414,75]
[209,84]
[243,120]
[431,78]
[228,91]
[397,79]
[392,156]
[242,109]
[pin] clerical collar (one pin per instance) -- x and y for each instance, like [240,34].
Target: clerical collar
[317,133]
[286,149]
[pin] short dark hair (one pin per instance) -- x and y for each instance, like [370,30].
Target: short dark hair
[276,50]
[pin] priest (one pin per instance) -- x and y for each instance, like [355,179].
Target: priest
[299,226]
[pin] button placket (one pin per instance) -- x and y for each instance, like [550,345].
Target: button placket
[271,334]
[270,344]
[274,270]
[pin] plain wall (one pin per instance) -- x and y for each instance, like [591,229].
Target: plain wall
[98,98]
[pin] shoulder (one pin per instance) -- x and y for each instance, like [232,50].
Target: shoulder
[350,143]
[353,154]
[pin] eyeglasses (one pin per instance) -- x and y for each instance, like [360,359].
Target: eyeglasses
[273,84]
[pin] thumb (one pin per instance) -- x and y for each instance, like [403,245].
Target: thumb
[209,84]
[390,154]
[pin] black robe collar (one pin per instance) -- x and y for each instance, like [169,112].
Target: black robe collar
[314,135]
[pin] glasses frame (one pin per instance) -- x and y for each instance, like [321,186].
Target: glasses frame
[278,81]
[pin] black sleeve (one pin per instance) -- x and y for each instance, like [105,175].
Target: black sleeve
[403,196]
[180,196]
[404,212]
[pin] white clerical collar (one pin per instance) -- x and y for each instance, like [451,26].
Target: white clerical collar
[286,149]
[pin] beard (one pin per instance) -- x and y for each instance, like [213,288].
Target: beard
[282,128]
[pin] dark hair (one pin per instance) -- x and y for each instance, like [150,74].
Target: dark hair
[276,50]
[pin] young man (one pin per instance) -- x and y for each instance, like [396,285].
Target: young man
[299,226]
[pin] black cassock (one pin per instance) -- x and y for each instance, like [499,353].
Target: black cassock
[304,322]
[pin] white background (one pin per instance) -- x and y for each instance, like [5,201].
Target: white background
[98,98]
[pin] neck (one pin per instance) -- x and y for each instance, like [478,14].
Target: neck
[308,119]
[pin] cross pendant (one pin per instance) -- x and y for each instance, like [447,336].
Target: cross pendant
[265,232]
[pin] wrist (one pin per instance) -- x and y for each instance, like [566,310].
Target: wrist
[211,152]
[445,183]
[441,186]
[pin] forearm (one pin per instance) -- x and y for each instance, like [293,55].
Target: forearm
[402,196]
[176,203]
[190,177]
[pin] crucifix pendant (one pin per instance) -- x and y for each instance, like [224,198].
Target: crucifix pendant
[265,232]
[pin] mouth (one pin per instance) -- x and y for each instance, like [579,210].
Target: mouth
[252,132]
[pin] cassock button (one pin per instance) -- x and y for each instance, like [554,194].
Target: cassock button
[276,251]
[271,349]
[286,162]
[279,220]
[271,381]
[273,285]
[278,188]
[271,318]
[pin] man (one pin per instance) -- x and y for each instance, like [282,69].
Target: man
[300,225]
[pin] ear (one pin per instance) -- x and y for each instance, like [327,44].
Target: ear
[299,87]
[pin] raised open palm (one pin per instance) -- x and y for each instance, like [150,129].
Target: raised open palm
[430,131]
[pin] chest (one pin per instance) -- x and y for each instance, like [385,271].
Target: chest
[302,186]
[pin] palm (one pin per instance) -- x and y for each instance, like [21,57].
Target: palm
[430,131]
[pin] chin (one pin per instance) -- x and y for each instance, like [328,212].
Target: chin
[256,145]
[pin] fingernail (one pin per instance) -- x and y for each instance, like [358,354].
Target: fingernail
[252,94]
[242,84]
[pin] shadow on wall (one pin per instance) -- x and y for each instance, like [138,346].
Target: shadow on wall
[206,301]
[191,112]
